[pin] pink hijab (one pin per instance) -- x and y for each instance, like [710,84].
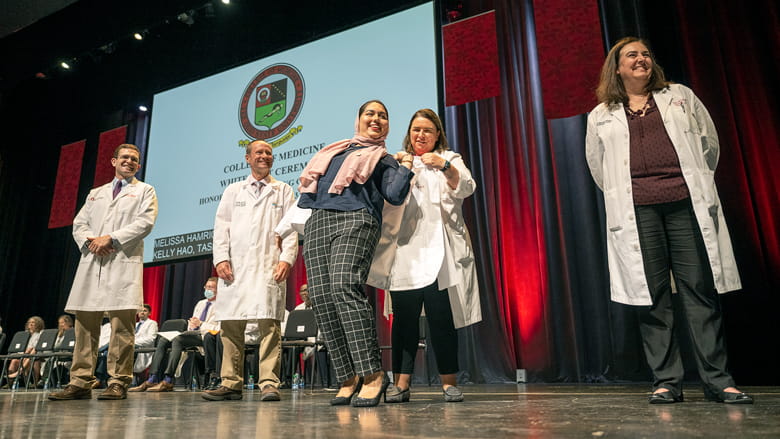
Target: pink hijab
[357,166]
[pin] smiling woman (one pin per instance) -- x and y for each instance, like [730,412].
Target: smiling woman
[345,184]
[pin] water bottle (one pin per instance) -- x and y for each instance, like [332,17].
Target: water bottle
[15,386]
[194,383]
[296,381]
[46,385]
[250,385]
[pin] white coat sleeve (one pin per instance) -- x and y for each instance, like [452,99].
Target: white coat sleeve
[81,226]
[594,152]
[466,184]
[290,242]
[709,135]
[143,222]
[221,241]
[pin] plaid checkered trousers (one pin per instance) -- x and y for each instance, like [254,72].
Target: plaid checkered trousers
[338,248]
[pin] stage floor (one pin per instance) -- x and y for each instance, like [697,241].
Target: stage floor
[489,411]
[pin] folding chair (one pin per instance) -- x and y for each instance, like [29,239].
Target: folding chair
[302,325]
[42,350]
[15,351]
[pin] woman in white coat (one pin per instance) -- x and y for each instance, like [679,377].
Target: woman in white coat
[425,257]
[652,148]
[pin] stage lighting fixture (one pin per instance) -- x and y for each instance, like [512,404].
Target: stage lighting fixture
[143,108]
[227,2]
[187,18]
[65,65]
[138,36]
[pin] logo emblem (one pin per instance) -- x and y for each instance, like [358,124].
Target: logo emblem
[271,102]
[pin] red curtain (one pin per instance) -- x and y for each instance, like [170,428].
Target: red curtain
[730,49]
[154,289]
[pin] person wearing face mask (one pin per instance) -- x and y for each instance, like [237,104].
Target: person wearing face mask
[345,185]
[652,148]
[200,324]
[425,258]
[145,335]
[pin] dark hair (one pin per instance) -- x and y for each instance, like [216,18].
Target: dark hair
[363,107]
[126,146]
[611,89]
[212,279]
[148,307]
[427,113]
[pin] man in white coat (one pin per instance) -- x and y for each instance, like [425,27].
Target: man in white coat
[145,334]
[252,272]
[109,230]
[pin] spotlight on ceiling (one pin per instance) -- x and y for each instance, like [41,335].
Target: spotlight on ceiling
[143,108]
[138,36]
[227,2]
[187,18]
[65,65]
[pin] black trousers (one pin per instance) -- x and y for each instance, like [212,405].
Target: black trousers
[180,342]
[670,239]
[212,348]
[407,307]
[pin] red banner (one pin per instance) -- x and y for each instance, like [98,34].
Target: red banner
[66,188]
[471,59]
[109,140]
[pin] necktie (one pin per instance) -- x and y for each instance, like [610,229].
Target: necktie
[137,327]
[117,188]
[258,187]
[205,312]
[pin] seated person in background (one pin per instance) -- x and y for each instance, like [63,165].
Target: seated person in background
[212,357]
[145,334]
[200,324]
[35,327]
[101,367]
[64,322]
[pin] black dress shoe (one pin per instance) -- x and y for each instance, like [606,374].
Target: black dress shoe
[728,397]
[372,402]
[664,398]
[345,400]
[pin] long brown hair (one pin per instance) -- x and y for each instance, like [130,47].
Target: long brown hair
[427,113]
[611,89]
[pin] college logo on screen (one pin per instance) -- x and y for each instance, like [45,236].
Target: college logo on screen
[271,103]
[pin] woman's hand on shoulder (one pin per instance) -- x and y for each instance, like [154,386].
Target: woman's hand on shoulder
[404,158]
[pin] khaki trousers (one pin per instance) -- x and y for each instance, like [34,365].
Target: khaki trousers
[120,347]
[233,353]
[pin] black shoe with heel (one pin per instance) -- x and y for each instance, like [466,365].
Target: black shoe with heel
[345,400]
[372,402]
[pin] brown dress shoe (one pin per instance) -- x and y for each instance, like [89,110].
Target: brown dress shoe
[114,391]
[221,394]
[162,386]
[270,393]
[71,392]
[142,388]
[97,384]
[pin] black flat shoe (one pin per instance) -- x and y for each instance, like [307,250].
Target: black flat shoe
[664,398]
[394,394]
[372,402]
[728,397]
[345,400]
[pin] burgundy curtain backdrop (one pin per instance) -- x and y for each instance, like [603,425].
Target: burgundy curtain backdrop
[109,140]
[66,189]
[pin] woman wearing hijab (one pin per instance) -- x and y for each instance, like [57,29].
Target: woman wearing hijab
[652,148]
[345,185]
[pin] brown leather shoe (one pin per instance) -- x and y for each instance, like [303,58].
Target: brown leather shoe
[71,392]
[221,394]
[142,388]
[270,393]
[98,384]
[114,391]
[162,386]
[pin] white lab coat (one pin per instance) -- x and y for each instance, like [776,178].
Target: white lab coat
[243,235]
[693,135]
[113,282]
[453,264]
[144,338]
